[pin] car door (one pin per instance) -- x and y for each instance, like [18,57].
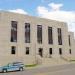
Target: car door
[15,67]
[10,67]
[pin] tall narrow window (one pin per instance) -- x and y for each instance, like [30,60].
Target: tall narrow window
[27,33]
[27,50]
[39,34]
[50,36]
[13,31]
[60,51]
[50,51]
[59,36]
[13,50]
[70,51]
[69,40]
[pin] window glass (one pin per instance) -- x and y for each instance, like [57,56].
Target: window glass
[39,34]
[13,31]
[27,33]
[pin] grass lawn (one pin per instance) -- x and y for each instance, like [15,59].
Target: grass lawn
[72,60]
[31,65]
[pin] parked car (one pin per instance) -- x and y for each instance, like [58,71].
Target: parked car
[15,66]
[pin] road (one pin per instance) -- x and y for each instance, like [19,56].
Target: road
[68,69]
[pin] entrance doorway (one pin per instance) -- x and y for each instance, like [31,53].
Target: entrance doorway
[41,52]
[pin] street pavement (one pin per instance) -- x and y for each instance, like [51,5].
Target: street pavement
[68,69]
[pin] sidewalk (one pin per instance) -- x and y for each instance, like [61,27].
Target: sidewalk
[51,65]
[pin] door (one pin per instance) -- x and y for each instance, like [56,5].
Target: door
[11,67]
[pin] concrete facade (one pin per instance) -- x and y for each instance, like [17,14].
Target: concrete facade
[5,35]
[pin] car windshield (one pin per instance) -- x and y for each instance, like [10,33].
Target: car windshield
[10,64]
[17,63]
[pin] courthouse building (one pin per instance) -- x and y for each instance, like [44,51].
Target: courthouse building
[25,38]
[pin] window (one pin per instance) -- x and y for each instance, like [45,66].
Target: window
[50,37]
[13,31]
[70,51]
[69,40]
[13,50]
[27,33]
[39,34]
[50,51]
[41,52]
[60,51]
[59,36]
[27,50]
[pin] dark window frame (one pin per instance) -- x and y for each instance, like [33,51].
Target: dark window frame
[40,52]
[60,51]
[13,31]
[39,34]
[50,35]
[59,36]
[70,51]
[69,38]
[27,51]
[50,51]
[13,50]
[27,32]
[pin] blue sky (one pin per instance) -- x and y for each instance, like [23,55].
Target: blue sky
[31,5]
[61,10]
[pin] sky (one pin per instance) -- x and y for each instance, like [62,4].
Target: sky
[61,10]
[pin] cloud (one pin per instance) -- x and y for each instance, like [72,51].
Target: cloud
[56,14]
[55,6]
[42,10]
[21,11]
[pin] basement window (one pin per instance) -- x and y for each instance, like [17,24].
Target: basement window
[27,50]
[13,50]
[70,51]
[60,51]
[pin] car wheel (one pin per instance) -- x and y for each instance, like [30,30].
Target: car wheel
[21,69]
[4,70]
